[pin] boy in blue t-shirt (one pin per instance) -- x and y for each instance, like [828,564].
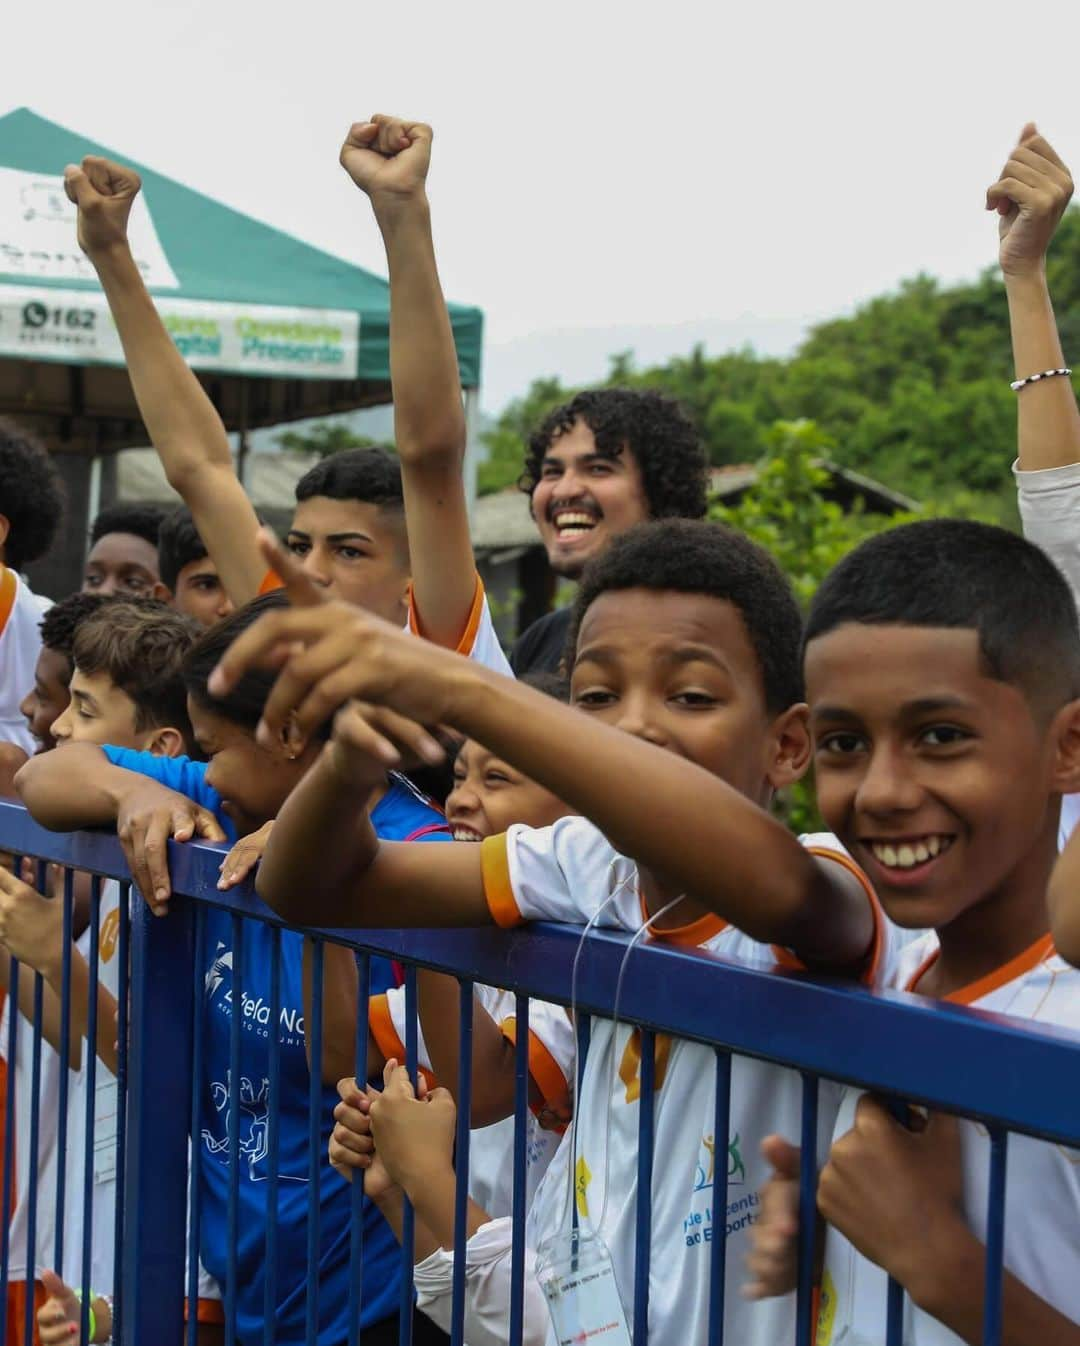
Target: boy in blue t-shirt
[237,791]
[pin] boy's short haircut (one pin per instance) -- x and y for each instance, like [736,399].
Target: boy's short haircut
[695,556]
[371,476]
[140,644]
[140,520]
[63,619]
[959,575]
[663,441]
[244,704]
[178,544]
[31,495]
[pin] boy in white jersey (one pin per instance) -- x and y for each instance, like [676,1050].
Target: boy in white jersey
[686,677]
[943,673]
[31,504]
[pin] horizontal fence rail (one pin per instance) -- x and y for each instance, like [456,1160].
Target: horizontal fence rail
[1012,1076]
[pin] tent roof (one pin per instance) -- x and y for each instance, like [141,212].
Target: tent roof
[221,255]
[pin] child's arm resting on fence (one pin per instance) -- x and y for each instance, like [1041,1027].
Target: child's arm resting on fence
[77,786]
[183,424]
[896,1194]
[690,816]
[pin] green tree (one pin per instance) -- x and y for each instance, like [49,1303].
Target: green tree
[325,439]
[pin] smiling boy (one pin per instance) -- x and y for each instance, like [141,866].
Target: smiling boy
[943,674]
[686,676]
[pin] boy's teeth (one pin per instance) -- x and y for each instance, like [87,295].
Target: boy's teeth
[908,854]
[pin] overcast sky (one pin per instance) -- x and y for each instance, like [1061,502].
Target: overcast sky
[606,175]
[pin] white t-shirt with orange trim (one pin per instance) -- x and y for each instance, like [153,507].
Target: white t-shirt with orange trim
[566,873]
[21,611]
[1042,1194]
[551,1065]
[478,641]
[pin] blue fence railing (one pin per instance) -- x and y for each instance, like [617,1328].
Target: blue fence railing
[1010,1076]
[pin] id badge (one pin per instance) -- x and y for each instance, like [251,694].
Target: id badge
[578,1281]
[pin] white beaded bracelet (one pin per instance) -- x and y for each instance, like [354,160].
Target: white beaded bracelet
[1036,378]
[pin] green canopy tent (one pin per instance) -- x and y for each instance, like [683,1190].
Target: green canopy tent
[277,330]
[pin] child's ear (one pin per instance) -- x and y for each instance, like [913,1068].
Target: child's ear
[167,742]
[790,746]
[162,592]
[1065,731]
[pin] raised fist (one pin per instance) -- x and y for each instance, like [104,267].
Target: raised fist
[388,157]
[103,192]
[1030,197]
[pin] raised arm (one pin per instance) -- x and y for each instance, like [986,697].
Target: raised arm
[77,786]
[388,158]
[1030,198]
[183,424]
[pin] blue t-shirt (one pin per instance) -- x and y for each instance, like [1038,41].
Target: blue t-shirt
[401,814]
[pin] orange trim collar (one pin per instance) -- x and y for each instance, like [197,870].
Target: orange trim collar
[1031,957]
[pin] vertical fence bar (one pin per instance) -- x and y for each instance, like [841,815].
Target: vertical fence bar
[461,1159]
[9,1136]
[273,1141]
[198,993]
[65,1064]
[643,1237]
[159,1080]
[408,1222]
[33,1151]
[356,1195]
[123,947]
[718,1247]
[232,1214]
[804,1311]
[995,1236]
[90,1070]
[894,1314]
[314,1032]
[521,1121]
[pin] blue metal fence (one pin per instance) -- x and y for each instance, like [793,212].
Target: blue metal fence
[1008,1075]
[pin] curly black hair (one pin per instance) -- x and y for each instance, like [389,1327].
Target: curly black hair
[956,574]
[31,495]
[140,520]
[694,556]
[178,545]
[655,430]
[59,624]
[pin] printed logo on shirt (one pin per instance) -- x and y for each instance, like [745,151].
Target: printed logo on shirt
[706,1168]
[254,1127]
[742,1209]
[826,1311]
[109,935]
[582,1178]
[254,1010]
